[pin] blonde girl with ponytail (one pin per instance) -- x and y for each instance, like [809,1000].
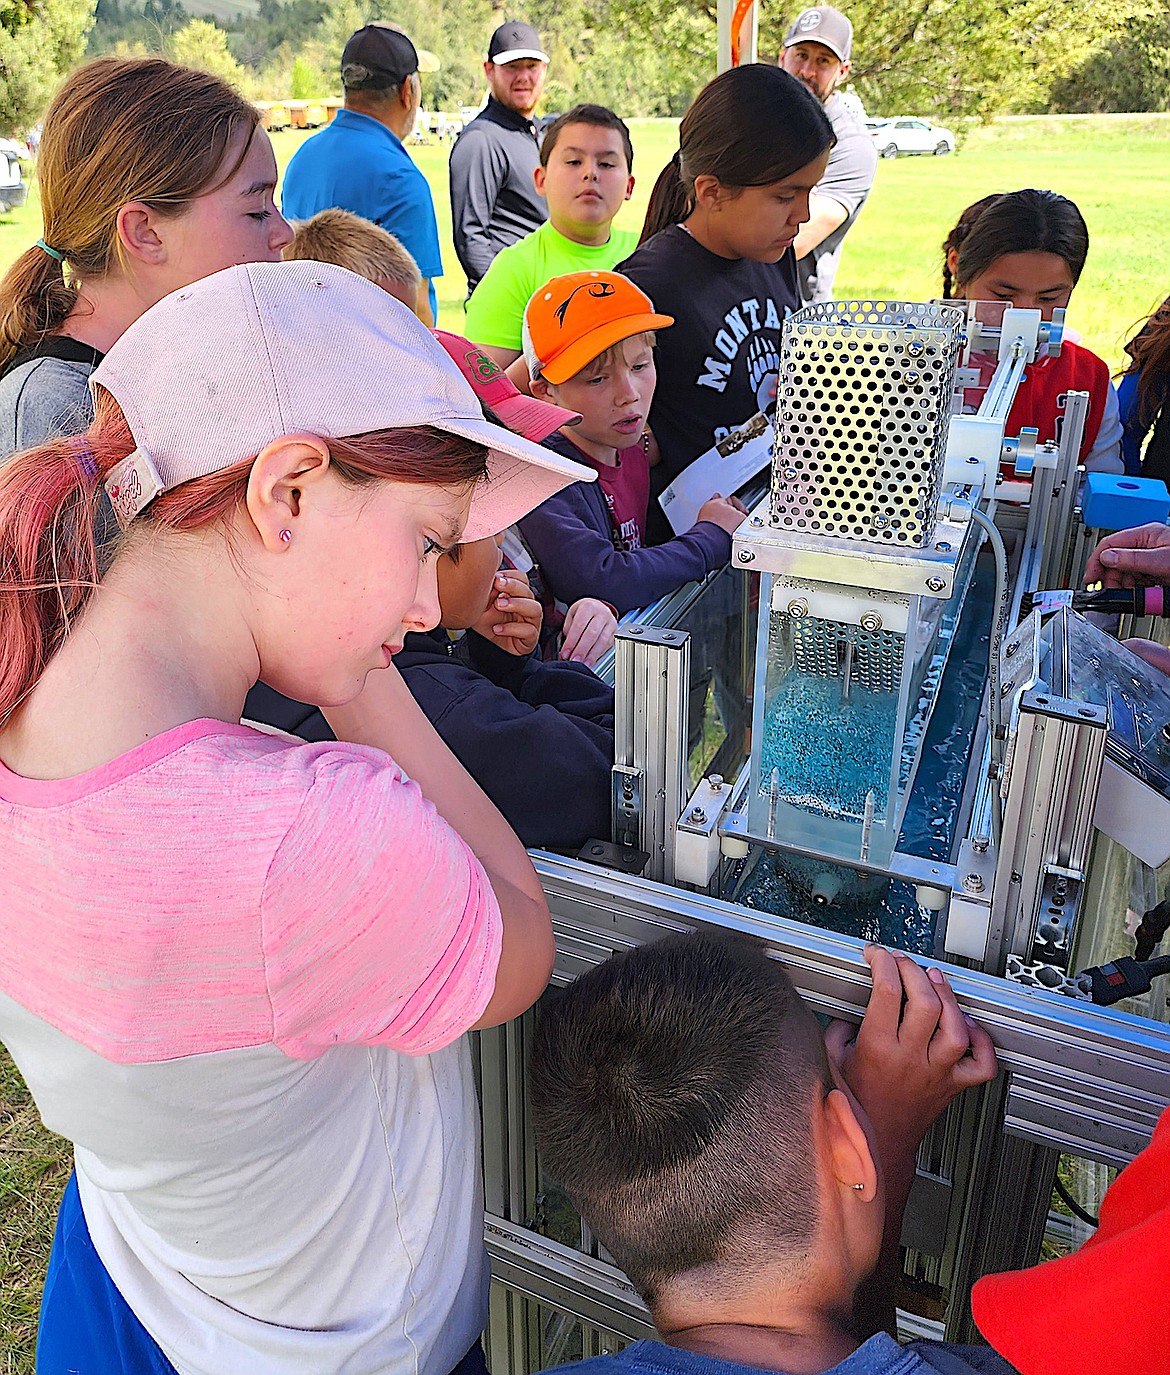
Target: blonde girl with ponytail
[151,176]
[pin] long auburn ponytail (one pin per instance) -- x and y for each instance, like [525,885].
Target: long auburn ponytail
[48,548]
[750,126]
[1149,351]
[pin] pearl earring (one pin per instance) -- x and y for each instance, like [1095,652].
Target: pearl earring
[285,536]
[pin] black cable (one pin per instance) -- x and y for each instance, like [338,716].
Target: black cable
[1150,930]
[1126,601]
[1124,977]
[1073,1206]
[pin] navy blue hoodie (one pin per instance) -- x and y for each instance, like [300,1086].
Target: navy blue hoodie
[536,737]
[571,538]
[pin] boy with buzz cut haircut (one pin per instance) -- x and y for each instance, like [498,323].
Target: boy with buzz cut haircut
[585,174]
[347,240]
[589,347]
[747,1173]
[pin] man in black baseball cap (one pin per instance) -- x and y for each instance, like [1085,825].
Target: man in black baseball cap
[359,163]
[379,56]
[494,201]
[817,50]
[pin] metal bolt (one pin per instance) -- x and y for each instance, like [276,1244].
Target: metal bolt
[973,883]
[1013,648]
[797,608]
[912,377]
[972,460]
[870,620]
[1005,689]
[880,522]
[1016,876]
[746,556]
[943,547]
[635,630]
[698,816]
[715,781]
[980,843]
[936,584]
[757,520]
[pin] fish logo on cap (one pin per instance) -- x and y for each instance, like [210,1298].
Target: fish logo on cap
[598,290]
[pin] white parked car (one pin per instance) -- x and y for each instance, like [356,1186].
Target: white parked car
[910,135]
[12,187]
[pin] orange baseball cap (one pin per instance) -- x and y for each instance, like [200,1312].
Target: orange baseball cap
[573,319]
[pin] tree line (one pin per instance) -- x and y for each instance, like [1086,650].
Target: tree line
[953,59]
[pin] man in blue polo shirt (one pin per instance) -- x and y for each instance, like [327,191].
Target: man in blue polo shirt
[358,162]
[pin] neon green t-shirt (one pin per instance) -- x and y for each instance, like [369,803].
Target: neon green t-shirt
[495,313]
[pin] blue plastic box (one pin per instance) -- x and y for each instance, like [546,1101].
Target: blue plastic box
[1112,501]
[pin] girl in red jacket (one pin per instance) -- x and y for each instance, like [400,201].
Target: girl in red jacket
[1028,248]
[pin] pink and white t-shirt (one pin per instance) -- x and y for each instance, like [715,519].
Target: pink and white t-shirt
[235,971]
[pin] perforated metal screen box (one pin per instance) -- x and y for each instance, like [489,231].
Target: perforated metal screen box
[864,397]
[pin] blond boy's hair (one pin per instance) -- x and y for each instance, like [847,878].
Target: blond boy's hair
[346,240]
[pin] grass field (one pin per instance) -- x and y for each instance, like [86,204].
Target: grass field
[1113,167]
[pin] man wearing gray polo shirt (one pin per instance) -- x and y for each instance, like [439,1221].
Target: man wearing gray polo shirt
[816,52]
[494,202]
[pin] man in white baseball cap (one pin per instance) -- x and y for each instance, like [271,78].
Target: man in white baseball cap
[817,51]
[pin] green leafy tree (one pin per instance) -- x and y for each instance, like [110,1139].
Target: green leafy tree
[307,81]
[1131,73]
[38,44]
[135,29]
[954,58]
[204,45]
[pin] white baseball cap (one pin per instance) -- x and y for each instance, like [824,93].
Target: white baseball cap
[218,369]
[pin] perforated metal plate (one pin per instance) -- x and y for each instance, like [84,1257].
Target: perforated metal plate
[864,396]
[818,647]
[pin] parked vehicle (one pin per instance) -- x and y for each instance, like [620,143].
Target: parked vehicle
[908,134]
[12,188]
[308,114]
[274,115]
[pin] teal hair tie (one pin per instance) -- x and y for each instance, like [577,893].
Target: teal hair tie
[52,252]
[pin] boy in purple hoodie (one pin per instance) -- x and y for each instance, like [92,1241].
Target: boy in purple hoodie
[588,343]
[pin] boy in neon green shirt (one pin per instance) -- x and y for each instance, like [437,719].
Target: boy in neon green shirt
[585,175]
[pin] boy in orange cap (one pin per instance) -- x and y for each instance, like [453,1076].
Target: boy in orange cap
[589,346]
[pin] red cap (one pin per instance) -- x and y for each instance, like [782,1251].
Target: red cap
[1104,1310]
[527,416]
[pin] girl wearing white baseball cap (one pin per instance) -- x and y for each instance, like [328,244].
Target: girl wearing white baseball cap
[236,969]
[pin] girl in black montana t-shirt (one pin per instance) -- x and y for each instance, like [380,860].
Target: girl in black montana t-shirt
[716,253]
